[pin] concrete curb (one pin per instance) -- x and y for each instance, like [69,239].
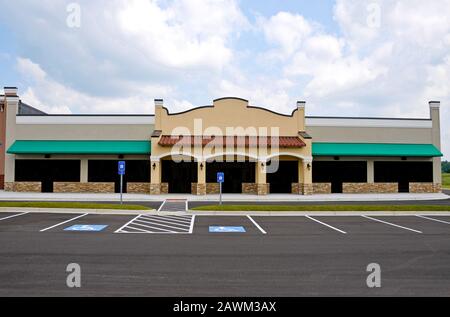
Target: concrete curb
[318,213]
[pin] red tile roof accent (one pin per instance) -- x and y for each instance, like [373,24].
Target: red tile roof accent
[248,141]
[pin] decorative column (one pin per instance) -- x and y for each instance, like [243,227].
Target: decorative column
[305,170]
[155,176]
[262,188]
[370,172]
[83,171]
[201,178]
[11,107]
[436,138]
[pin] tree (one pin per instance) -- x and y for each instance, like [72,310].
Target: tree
[445,167]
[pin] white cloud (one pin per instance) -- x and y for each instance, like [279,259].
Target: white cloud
[286,30]
[127,53]
[307,51]
[50,96]
[261,91]
[189,33]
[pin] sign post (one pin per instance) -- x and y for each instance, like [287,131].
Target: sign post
[121,170]
[220,180]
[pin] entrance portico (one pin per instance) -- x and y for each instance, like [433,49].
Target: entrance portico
[250,145]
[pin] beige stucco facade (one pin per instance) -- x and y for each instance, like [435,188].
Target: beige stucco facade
[228,117]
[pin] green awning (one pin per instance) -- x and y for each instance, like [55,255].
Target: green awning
[80,147]
[374,149]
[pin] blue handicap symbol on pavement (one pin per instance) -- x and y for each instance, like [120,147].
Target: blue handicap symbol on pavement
[226,229]
[86,228]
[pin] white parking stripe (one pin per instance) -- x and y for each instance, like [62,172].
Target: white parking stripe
[437,220]
[327,225]
[392,224]
[118,230]
[17,215]
[61,223]
[139,221]
[257,225]
[191,229]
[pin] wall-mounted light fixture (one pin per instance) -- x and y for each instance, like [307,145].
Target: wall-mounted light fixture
[308,166]
[154,166]
[201,166]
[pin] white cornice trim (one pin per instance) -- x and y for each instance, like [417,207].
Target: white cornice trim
[81,120]
[368,123]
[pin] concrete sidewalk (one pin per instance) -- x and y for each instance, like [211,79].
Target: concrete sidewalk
[14,196]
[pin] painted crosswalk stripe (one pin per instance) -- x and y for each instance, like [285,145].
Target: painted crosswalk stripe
[173,205]
[162,222]
[158,224]
[327,225]
[181,222]
[140,221]
[150,227]
[118,230]
[64,222]
[392,224]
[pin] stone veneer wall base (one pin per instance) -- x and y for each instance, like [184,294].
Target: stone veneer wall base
[31,187]
[138,188]
[77,187]
[249,188]
[355,188]
[308,189]
[263,189]
[425,188]
[212,188]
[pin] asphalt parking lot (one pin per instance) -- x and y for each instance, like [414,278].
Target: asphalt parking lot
[183,255]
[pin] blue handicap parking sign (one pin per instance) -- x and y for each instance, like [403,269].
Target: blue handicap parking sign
[220,177]
[226,229]
[121,167]
[86,228]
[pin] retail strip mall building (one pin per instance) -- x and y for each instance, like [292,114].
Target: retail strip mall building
[182,152]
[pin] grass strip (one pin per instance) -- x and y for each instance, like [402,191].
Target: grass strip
[323,208]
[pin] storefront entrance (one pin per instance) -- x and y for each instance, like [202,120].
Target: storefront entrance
[179,176]
[281,180]
[236,173]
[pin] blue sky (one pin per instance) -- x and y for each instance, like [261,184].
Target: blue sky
[344,57]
